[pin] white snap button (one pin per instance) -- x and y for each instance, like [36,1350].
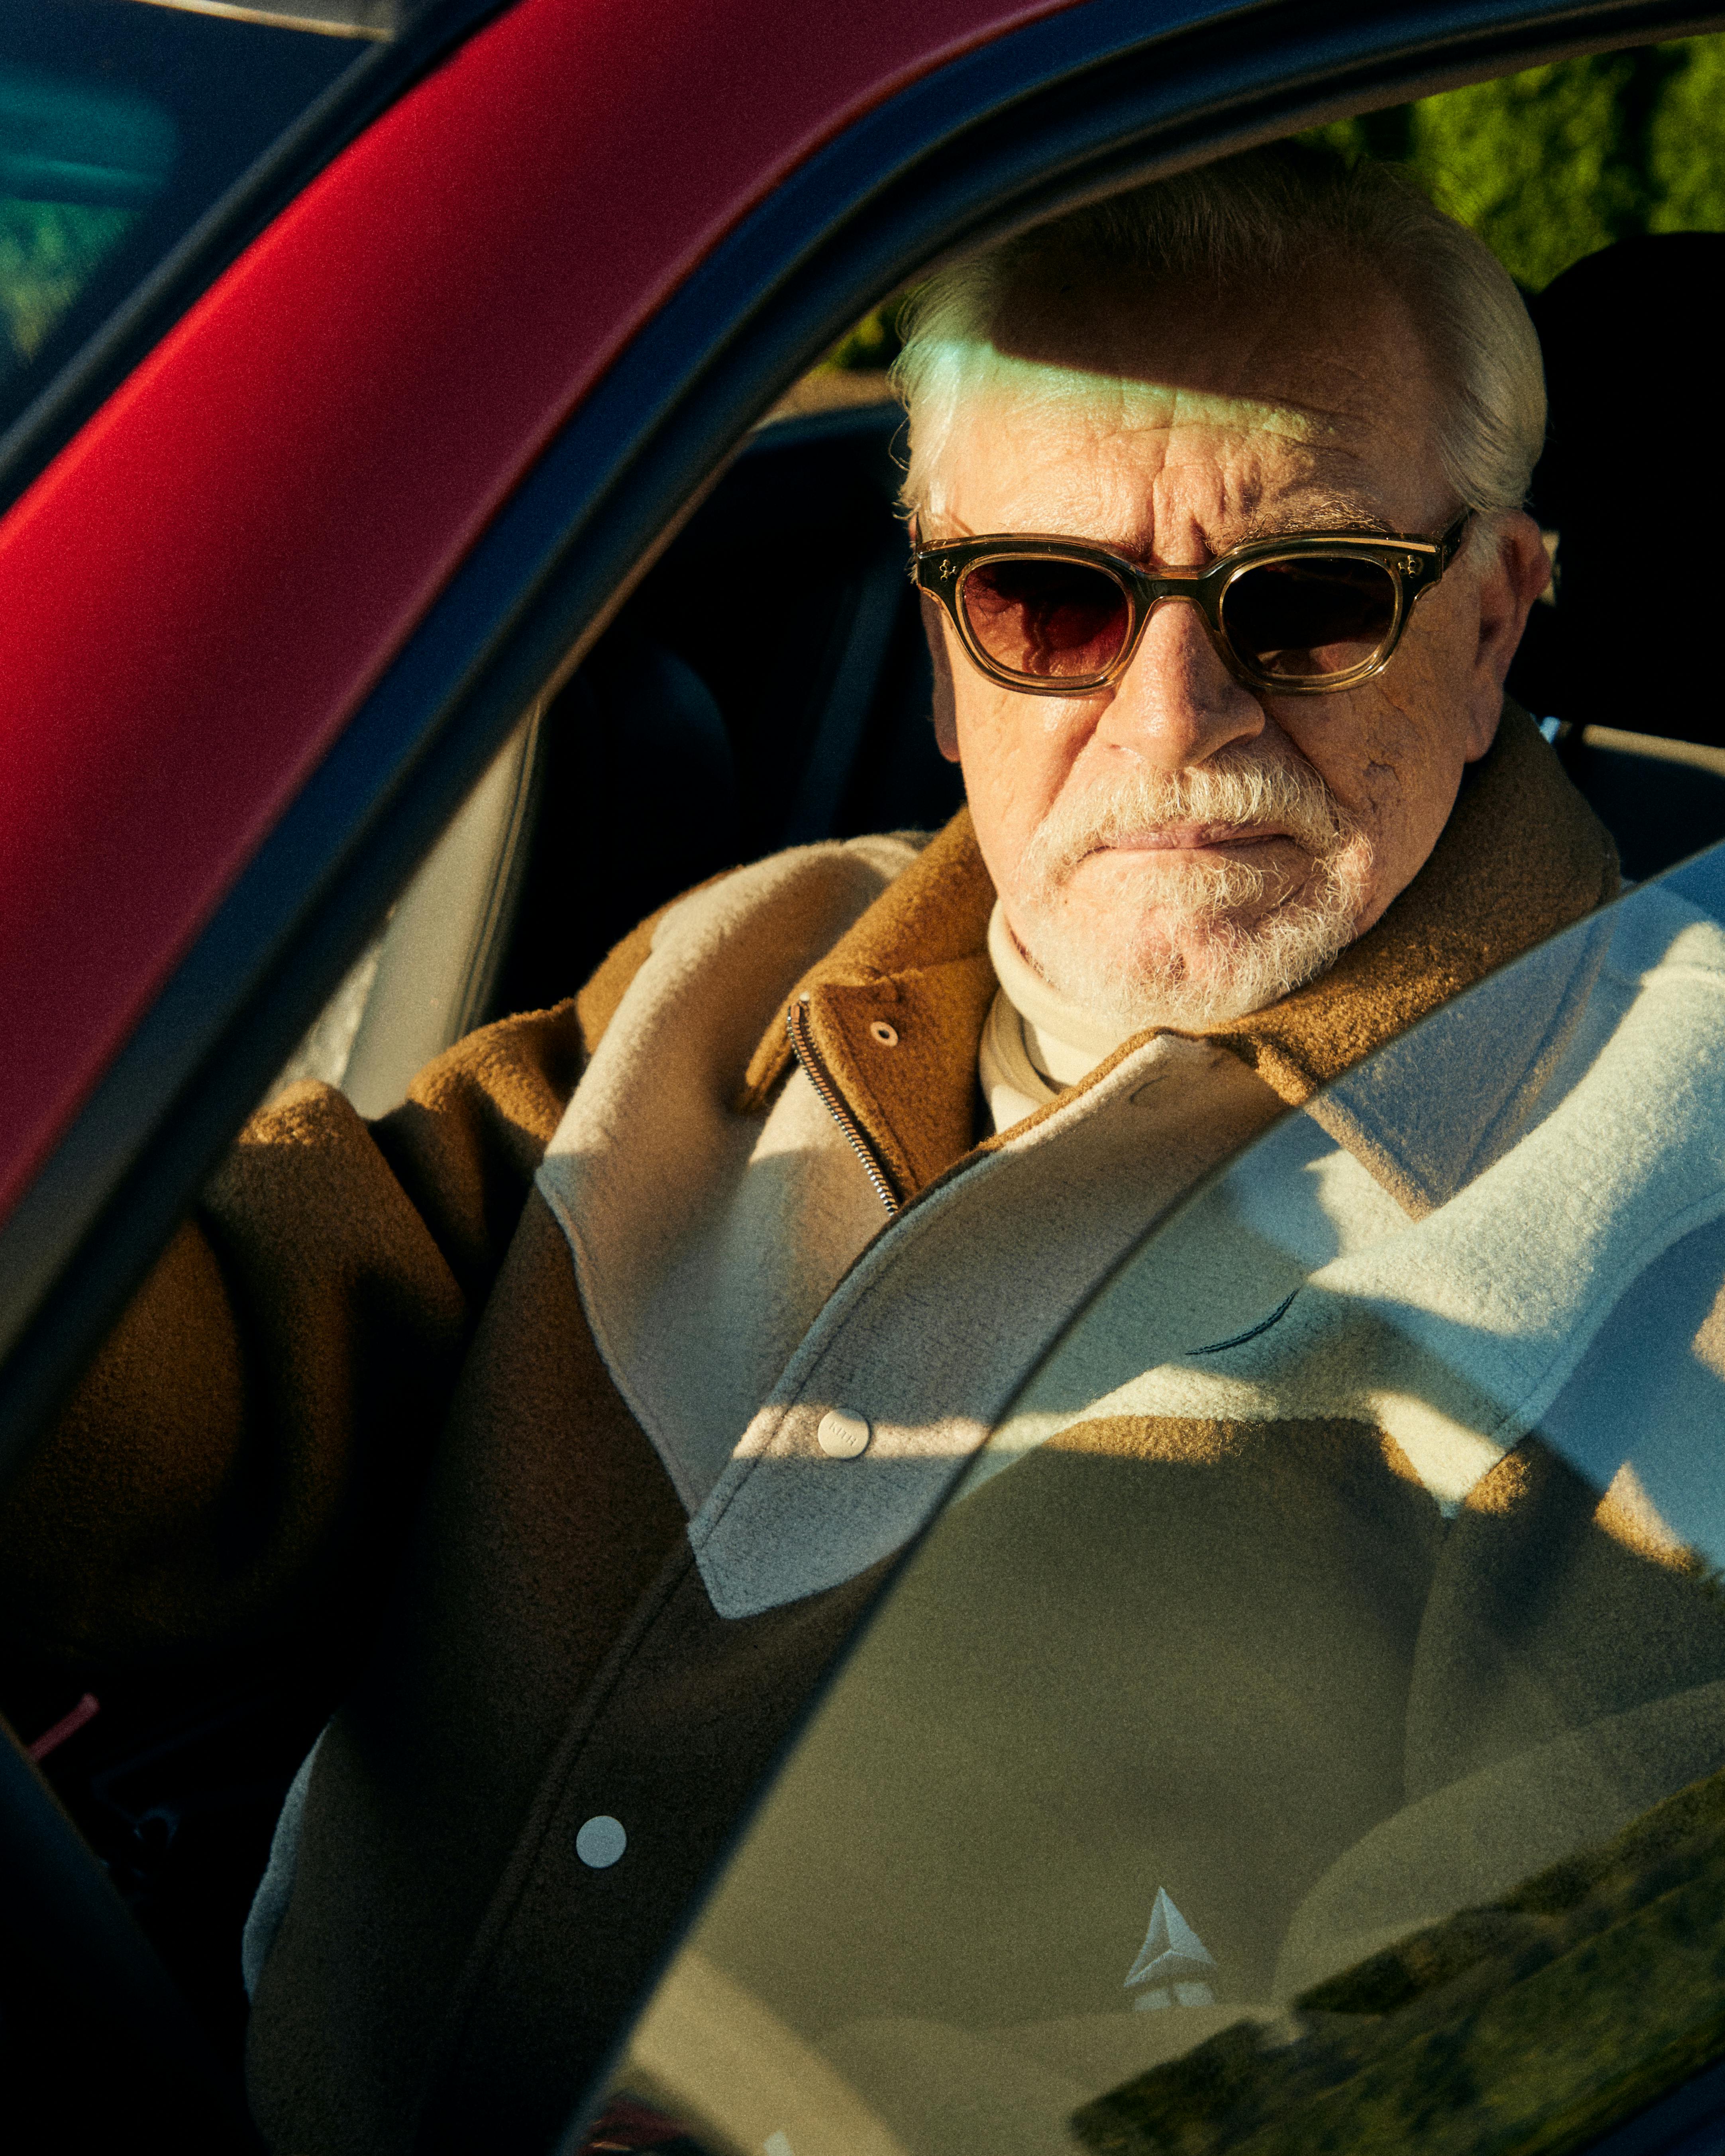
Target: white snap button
[841,1434]
[886,1035]
[601,1841]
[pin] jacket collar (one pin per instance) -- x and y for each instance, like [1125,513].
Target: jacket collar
[1521,857]
[917,963]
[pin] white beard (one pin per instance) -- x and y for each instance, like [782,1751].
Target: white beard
[1247,942]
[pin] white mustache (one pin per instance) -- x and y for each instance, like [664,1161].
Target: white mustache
[1265,926]
[1243,791]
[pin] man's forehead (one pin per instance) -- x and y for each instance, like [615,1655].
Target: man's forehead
[1111,459]
[1203,417]
[1309,403]
[1031,391]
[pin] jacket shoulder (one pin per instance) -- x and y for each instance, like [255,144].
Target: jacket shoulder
[888,855]
[596,1004]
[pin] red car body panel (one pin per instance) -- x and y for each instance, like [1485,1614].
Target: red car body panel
[199,591]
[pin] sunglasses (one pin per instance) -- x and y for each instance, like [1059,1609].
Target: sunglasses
[1302,615]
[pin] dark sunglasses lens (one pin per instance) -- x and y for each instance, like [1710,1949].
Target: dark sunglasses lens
[1301,619]
[1054,621]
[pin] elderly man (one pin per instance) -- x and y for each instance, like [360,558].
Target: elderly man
[677,1309]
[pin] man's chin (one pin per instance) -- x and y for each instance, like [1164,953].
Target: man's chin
[1193,947]
[1188,972]
[1188,979]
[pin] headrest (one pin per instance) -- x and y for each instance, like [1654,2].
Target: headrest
[1633,475]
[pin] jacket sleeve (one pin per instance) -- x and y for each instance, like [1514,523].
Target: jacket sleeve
[245,1447]
[242,1456]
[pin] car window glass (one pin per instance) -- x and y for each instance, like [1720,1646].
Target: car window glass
[119,126]
[1306,1723]
[79,167]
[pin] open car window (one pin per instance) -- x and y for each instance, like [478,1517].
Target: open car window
[1305,1723]
[827,735]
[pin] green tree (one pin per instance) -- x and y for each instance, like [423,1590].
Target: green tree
[1545,166]
[1552,164]
[1685,143]
[49,252]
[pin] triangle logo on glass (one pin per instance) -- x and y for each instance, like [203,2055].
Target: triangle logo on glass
[1171,1962]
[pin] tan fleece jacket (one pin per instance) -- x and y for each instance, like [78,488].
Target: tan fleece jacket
[616,1595]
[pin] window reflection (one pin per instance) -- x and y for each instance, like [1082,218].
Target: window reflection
[79,162]
[1308,1722]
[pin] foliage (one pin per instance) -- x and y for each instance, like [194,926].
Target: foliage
[1686,167]
[1534,2025]
[874,343]
[49,252]
[1545,166]
[1552,164]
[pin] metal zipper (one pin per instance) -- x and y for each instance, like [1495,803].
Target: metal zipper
[808,1054]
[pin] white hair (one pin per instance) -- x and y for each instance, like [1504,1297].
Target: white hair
[1250,223]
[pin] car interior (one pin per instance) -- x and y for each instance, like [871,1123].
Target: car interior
[735,740]
[721,716]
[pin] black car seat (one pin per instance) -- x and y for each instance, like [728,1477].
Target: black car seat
[733,708]
[638,801]
[1630,479]
[767,685]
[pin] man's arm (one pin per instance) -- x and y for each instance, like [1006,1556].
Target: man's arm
[247,1441]
[244,1451]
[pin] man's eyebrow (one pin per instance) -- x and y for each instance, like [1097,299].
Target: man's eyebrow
[1332,513]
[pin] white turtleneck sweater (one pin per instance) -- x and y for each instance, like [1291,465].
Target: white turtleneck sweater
[1034,1043]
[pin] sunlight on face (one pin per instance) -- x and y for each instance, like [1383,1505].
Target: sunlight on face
[1055,397]
[1176,849]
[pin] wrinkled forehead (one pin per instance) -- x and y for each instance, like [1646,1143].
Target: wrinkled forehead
[1124,405]
[1221,405]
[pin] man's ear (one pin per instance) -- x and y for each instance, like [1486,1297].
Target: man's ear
[1508,588]
[946,709]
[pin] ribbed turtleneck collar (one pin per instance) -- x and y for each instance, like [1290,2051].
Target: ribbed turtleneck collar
[1064,1043]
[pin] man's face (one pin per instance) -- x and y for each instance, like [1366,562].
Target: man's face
[1178,848]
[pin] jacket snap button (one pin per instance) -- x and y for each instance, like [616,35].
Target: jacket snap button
[841,1434]
[886,1035]
[601,1841]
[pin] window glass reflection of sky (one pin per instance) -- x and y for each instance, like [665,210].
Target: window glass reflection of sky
[77,165]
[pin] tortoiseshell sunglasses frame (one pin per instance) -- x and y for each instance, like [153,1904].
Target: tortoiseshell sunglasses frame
[1415,563]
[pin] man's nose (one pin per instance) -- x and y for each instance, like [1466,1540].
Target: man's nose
[1177,703]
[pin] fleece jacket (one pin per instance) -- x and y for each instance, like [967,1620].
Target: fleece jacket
[567,1327]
